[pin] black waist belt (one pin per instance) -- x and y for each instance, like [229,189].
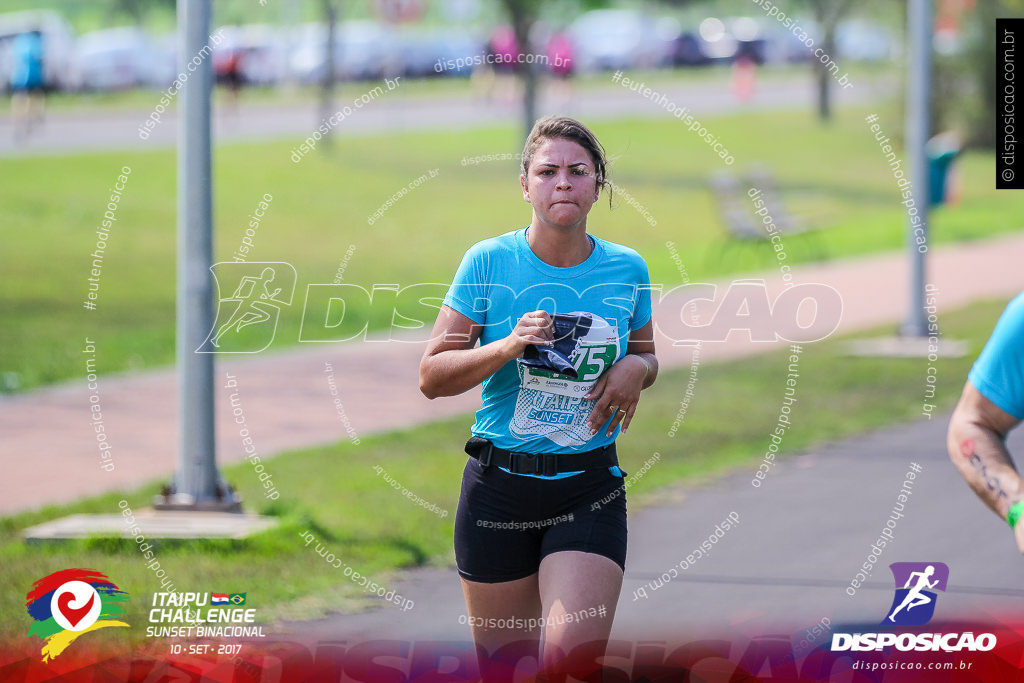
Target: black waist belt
[546,464]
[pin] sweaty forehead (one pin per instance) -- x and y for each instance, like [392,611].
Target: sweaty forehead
[561,152]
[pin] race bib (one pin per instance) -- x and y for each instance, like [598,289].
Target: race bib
[551,404]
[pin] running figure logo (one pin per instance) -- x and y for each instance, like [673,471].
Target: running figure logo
[259,289]
[914,603]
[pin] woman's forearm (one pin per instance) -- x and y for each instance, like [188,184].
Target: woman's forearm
[981,456]
[452,372]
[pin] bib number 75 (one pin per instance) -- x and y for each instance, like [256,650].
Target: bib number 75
[592,361]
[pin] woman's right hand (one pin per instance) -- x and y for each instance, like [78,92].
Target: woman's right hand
[452,363]
[534,327]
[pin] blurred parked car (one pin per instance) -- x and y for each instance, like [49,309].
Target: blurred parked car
[421,50]
[688,49]
[363,50]
[617,39]
[453,44]
[164,56]
[783,47]
[751,42]
[733,38]
[113,59]
[864,41]
[719,43]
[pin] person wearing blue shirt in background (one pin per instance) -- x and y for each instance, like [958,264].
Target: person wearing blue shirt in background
[991,405]
[27,83]
[566,345]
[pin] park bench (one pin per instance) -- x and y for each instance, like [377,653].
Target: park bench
[736,207]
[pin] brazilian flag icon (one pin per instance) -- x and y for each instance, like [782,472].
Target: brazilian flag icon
[237,598]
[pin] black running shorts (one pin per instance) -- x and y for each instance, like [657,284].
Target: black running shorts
[506,523]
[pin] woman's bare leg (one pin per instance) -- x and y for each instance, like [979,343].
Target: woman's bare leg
[571,583]
[508,600]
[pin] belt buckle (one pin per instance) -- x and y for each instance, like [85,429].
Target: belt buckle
[484,458]
[522,463]
[545,464]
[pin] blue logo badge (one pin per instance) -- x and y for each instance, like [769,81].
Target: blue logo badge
[916,583]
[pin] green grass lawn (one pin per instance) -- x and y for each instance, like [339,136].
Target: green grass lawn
[335,492]
[834,178]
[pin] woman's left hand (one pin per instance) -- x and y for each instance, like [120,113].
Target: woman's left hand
[616,394]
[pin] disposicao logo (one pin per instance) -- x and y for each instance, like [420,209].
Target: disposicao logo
[919,581]
[259,290]
[68,603]
[913,605]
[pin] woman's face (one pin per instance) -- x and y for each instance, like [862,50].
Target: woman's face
[561,183]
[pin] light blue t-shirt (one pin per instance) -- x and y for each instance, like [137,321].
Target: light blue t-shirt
[999,371]
[500,279]
[27,61]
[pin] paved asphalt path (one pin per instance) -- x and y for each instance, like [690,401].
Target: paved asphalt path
[66,132]
[800,540]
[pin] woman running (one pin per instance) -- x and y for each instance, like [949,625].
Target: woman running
[566,345]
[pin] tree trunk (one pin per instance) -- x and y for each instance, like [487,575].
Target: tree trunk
[825,78]
[523,14]
[983,55]
[530,83]
[827,13]
[327,85]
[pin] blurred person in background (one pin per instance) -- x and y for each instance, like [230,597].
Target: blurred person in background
[540,531]
[991,405]
[28,103]
[227,67]
[744,76]
[502,55]
[560,66]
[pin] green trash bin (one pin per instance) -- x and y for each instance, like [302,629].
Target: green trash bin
[942,150]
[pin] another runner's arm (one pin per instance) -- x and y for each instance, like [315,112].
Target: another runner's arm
[451,365]
[976,441]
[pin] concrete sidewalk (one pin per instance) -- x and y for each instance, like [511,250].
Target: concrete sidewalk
[287,403]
